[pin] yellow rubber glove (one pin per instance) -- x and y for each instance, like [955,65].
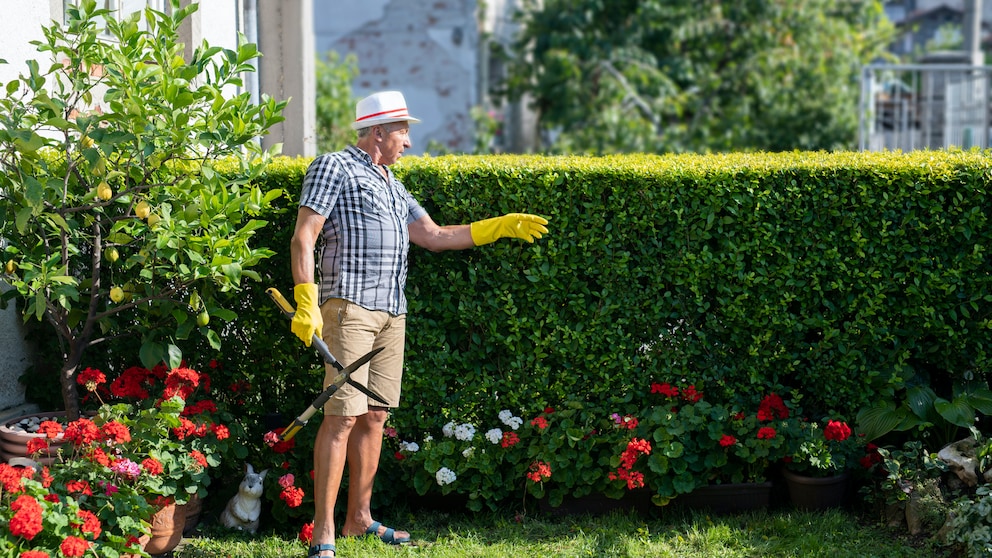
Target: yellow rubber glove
[307,321]
[511,225]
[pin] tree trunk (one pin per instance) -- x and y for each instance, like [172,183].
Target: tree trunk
[70,391]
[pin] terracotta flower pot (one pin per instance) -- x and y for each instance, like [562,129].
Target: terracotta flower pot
[817,493]
[167,529]
[14,440]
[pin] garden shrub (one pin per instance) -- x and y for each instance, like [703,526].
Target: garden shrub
[833,277]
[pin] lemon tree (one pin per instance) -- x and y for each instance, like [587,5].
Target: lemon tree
[125,152]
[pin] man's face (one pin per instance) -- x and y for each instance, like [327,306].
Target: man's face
[395,139]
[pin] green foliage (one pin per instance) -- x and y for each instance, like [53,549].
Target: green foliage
[125,194]
[901,472]
[335,104]
[696,75]
[832,277]
[938,420]
[970,524]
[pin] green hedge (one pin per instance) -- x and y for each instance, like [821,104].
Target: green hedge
[837,277]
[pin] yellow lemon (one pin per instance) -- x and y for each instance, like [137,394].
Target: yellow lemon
[103,191]
[86,142]
[10,267]
[153,219]
[111,254]
[117,294]
[202,319]
[142,210]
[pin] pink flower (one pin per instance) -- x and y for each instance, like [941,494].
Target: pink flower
[287,480]
[126,468]
[270,438]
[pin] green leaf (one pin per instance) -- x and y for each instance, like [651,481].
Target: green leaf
[877,421]
[957,412]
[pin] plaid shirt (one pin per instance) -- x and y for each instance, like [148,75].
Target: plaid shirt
[365,240]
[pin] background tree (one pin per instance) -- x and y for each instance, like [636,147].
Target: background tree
[335,102]
[696,75]
[125,197]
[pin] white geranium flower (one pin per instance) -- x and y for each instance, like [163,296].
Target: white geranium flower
[445,476]
[428,439]
[469,452]
[448,430]
[465,432]
[411,447]
[494,436]
[508,419]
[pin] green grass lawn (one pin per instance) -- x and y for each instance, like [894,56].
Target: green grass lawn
[779,533]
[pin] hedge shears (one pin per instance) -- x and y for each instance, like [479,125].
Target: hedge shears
[343,377]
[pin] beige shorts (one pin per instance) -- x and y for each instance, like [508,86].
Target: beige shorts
[350,331]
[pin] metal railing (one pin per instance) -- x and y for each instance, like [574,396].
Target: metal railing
[924,106]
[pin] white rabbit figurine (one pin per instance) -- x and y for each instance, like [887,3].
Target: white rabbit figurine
[243,508]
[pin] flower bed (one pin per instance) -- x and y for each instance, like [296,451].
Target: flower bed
[136,454]
[672,441]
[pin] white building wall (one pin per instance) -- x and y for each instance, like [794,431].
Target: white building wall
[21,23]
[427,50]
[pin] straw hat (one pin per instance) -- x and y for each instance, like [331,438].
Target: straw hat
[381,108]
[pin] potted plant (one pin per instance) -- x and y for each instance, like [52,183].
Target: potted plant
[126,201]
[818,467]
[138,459]
[711,455]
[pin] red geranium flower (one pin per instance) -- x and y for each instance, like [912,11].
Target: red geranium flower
[26,521]
[91,523]
[82,432]
[91,378]
[79,487]
[74,547]
[691,395]
[37,445]
[116,432]
[11,477]
[665,389]
[181,382]
[306,533]
[34,554]
[837,430]
[766,433]
[152,466]
[539,471]
[199,458]
[292,495]
[50,428]
[540,422]
[727,440]
[772,407]
[220,431]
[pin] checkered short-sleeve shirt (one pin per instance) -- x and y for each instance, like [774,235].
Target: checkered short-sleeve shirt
[363,250]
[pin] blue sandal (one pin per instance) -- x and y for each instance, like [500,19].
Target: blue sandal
[388,536]
[316,549]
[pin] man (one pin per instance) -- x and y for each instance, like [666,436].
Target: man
[365,220]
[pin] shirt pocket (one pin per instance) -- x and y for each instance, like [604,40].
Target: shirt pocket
[375,200]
